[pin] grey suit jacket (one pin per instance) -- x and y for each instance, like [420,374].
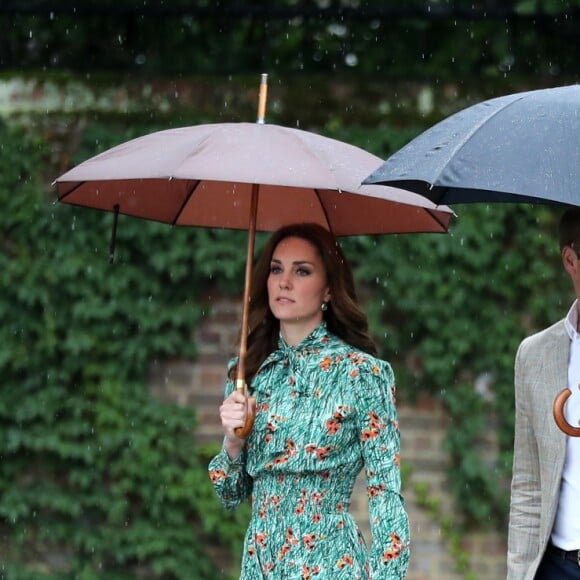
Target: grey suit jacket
[541,372]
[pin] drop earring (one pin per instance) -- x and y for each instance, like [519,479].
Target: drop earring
[324,306]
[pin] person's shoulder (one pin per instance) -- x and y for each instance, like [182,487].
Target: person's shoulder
[360,361]
[232,363]
[367,364]
[539,339]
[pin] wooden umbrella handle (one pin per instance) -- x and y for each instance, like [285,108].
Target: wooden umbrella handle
[559,417]
[246,429]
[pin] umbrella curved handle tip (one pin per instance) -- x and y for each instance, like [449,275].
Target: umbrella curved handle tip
[246,429]
[559,417]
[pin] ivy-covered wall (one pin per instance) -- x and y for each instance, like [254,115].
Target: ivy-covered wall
[99,480]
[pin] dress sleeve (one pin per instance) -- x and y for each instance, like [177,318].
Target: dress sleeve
[231,482]
[380,443]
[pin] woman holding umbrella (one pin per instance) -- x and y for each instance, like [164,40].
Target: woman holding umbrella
[324,409]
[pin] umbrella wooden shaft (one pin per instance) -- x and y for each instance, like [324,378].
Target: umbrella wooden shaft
[559,417]
[244,431]
[262,95]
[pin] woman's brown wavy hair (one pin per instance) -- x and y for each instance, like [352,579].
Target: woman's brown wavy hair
[344,317]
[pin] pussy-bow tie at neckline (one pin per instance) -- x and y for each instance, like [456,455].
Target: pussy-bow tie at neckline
[290,357]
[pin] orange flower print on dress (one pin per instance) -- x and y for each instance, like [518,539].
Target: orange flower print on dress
[356,358]
[398,460]
[323,452]
[375,421]
[290,538]
[290,452]
[290,541]
[333,426]
[375,427]
[217,475]
[346,560]
[394,551]
[317,497]
[374,491]
[326,363]
[369,434]
[308,573]
[309,541]
[302,502]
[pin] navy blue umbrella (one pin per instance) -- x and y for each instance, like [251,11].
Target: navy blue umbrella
[523,147]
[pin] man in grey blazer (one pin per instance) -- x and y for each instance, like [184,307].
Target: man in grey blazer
[544,524]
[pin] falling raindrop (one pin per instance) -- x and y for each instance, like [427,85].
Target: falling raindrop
[351,59]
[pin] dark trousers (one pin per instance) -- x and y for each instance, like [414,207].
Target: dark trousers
[555,567]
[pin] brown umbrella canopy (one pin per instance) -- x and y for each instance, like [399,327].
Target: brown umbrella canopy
[203,176]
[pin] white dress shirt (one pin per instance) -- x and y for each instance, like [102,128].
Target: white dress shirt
[566,531]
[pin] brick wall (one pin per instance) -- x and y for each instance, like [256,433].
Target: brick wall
[199,384]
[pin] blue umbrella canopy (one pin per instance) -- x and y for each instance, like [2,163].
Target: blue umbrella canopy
[523,147]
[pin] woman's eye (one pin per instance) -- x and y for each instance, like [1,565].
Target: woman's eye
[275,269]
[303,272]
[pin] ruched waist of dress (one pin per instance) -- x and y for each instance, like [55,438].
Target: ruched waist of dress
[312,495]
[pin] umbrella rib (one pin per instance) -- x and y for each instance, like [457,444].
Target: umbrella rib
[79,184]
[186,200]
[479,125]
[329,225]
[436,218]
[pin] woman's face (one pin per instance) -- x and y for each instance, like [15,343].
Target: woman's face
[297,287]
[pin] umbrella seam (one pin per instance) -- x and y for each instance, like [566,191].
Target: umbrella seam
[317,192]
[475,130]
[79,184]
[186,200]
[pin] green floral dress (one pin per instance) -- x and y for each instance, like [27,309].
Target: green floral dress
[323,410]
